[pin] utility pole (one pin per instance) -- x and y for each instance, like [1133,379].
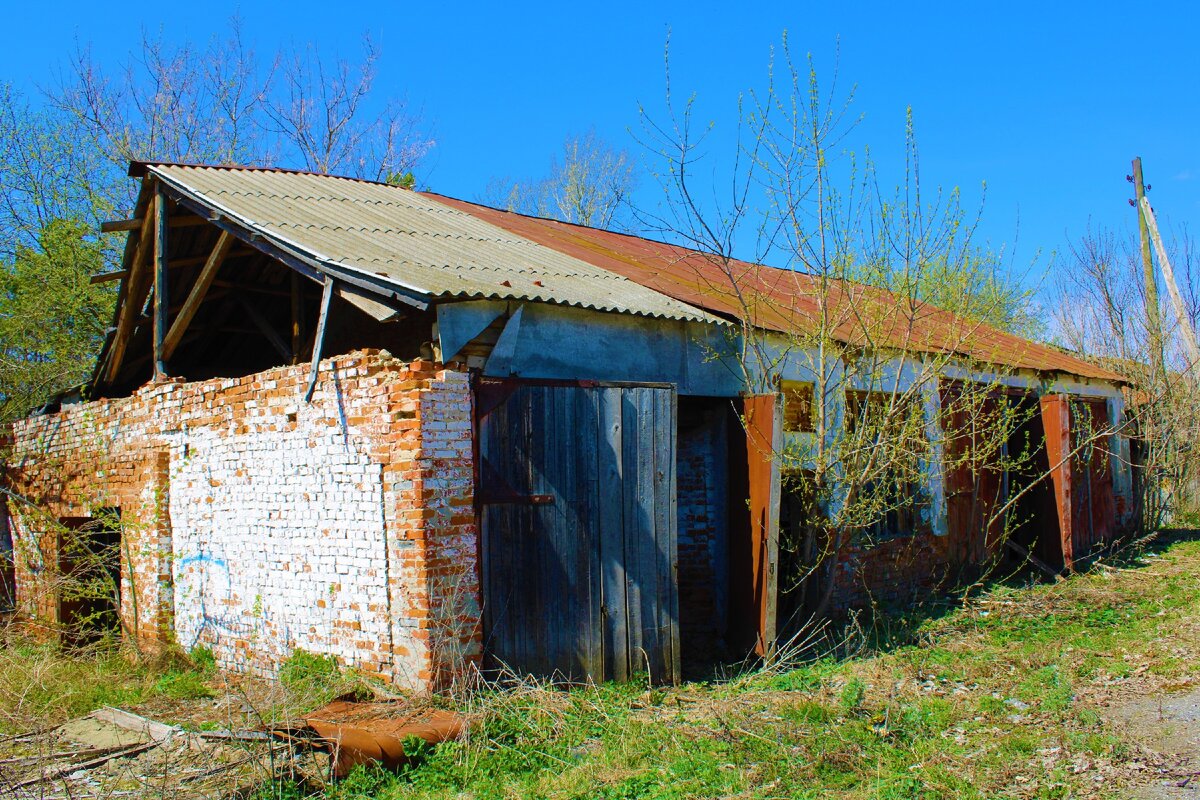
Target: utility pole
[1153,315]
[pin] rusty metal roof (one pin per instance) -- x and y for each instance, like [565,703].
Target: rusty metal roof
[787,301]
[444,248]
[412,240]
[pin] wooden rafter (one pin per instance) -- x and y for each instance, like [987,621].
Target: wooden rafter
[199,289]
[264,325]
[185,221]
[176,263]
[137,287]
[162,294]
[297,306]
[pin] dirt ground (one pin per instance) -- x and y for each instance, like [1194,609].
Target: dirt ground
[1167,726]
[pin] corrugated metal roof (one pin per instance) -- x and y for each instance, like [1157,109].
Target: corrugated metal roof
[446,248]
[785,300]
[413,240]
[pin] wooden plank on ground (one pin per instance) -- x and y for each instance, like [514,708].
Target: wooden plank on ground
[157,731]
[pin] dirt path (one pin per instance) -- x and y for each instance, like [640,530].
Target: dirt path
[1168,727]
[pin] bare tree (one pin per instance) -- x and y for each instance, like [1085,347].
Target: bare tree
[1100,312]
[322,111]
[63,165]
[589,186]
[219,103]
[895,389]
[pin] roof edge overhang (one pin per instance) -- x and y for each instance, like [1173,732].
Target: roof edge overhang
[313,265]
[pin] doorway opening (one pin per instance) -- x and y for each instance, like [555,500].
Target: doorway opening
[89,568]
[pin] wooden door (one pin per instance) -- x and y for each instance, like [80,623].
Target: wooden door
[577,504]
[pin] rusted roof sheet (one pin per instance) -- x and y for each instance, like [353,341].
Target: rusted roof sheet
[446,249]
[785,300]
[413,240]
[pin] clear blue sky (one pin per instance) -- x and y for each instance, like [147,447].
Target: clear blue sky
[1047,102]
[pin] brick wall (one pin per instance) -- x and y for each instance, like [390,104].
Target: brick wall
[256,524]
[894,572]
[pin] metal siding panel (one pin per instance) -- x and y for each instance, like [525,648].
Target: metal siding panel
[763,433]
[1057,427]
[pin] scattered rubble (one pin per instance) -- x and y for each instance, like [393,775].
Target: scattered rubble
[114,752]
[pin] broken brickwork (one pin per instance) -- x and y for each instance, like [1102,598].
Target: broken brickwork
[256,524]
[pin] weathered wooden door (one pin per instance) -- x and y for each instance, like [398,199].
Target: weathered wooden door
[577,504]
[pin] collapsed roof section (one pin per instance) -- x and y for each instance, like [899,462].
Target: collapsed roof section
[253,252]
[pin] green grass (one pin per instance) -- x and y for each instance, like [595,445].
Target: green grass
[981,702]
[994,698]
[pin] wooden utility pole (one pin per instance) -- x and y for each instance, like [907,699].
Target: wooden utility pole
[1153,315]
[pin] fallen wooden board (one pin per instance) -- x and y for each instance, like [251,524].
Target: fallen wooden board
[67,769]
[157,731]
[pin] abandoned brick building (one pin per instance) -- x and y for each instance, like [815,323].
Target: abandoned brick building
[417,434]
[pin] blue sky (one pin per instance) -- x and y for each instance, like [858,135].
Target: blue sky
[1046,102]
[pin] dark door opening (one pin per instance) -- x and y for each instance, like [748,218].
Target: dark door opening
[703,500]
[89,565]
[1032,521]
[8,581]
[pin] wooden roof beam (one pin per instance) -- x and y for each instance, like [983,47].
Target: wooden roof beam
[199,289]
[181,221]
[138,287]
[176,263]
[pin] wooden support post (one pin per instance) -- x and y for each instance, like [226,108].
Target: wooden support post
[326,298]
[162,298]
[264,325]
[297,316]
[1153,315]
[1181,315]
[199,290]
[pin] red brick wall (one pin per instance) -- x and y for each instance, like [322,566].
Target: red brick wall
[256,524]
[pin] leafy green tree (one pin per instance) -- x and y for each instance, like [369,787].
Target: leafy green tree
[64,156]
[52,319]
